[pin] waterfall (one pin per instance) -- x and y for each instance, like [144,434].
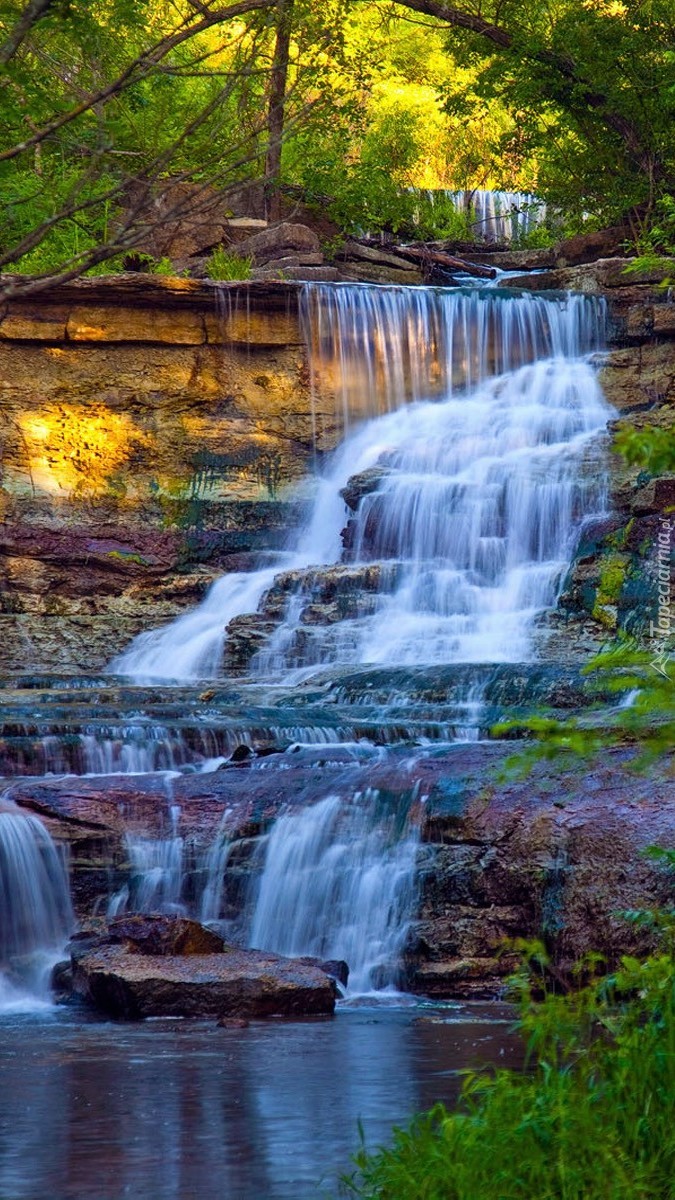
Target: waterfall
[35,912]
[472,525]
[499,216]
[338,883]
[478,411]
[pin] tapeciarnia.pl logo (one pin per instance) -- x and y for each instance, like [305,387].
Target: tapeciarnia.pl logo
[661,629]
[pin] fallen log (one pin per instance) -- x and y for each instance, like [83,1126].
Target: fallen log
[438,258]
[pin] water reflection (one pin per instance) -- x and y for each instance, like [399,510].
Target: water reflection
[170,1110]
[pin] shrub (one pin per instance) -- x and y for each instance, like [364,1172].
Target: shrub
[593,1119]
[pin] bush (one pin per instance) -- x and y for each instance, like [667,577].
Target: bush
[594,1119]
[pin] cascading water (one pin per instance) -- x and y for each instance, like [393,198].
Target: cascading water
[500,216]
[338,883]
[468,461]
[490,406]
[472,524]
[36,917]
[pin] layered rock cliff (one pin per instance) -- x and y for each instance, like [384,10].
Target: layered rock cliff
[155,430]
[151,431]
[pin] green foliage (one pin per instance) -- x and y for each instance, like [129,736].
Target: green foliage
[646,724]
[590,89]
[84,192]
[656,241]
[593,1118]
[652,448]
[577,104]
[227,264]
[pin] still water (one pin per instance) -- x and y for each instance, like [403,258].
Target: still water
[171,1110]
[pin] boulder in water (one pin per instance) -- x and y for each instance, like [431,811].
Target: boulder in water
[335,968]
[152,967]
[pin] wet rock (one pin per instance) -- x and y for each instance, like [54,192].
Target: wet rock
[335,968]
[243,984]
[362,485]
[156,935]
[61,982]
[241,754]
[246,635]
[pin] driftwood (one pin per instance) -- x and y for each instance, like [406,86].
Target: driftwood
[438,258]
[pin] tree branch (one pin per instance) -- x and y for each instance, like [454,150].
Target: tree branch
[29,17]
[137,69]
[577,88]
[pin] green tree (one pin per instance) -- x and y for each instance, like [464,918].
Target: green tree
[101,106]
[591,85]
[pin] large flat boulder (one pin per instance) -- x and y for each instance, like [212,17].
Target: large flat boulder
[155,967]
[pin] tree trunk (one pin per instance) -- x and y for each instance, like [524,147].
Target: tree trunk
[277,100]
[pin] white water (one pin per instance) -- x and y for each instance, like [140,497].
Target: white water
[500,216]
[476,518]
[36,917]
[192,646]
[338,883]
[489,407]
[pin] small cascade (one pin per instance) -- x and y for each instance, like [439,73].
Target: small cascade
[477,413]
[192,646]
[36,917]
[170,875]
[215,865]
[157,873]
[499,216]
[156,878]
[377,349]
[338,882]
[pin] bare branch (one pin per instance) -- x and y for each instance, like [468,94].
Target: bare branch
[29,17]
[137,69]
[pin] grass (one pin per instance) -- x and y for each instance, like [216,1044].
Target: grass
[226,265]
[594,1118]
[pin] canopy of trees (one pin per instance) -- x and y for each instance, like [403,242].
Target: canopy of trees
[351,101]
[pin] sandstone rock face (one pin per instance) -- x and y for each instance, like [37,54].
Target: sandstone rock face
[152,429]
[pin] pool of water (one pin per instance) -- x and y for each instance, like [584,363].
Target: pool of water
[171,1110]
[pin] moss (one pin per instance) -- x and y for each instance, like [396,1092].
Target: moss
[613,572]
[619,539]
[128,556]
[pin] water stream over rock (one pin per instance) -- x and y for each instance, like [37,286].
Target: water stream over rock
[440,531]
[467,493]
[35,911]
